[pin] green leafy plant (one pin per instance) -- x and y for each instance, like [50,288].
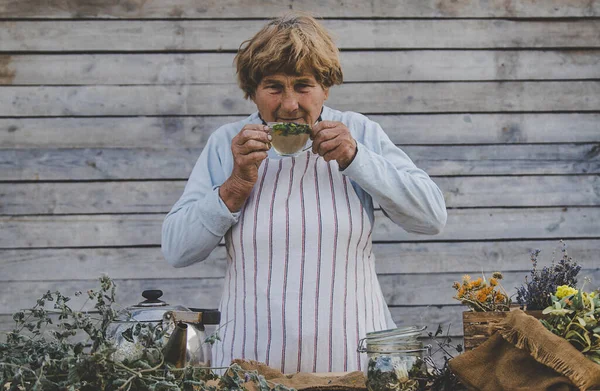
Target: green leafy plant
[76,354]
[574,315]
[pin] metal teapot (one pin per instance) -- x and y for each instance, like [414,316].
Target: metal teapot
[184,332]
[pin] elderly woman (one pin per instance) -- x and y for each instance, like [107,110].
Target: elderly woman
[300,289]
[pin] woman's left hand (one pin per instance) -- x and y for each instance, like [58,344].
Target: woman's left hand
[333,141]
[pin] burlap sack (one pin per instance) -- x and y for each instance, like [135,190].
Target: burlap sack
[524,355]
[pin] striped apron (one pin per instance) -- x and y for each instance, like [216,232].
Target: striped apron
[300,288]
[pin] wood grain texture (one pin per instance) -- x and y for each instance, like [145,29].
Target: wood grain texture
[167,9]
[145,229]
[398,290]
[159,196]
[193,132]
[391,258]
[213,68]
[217,35]
[150,164]
[368,98]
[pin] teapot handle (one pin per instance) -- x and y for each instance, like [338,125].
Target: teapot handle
[199,317]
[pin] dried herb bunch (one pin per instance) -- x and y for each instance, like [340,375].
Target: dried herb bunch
[439,376]
[481,295]
[41,355]
[536,293]
[574,315]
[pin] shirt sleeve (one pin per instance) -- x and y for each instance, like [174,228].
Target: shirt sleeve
[406,193]
[199,219]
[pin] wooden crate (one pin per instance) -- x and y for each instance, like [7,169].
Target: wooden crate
[479,326]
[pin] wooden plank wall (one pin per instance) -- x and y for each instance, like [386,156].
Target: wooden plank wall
[105,106]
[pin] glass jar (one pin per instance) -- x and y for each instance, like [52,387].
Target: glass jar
[395,359]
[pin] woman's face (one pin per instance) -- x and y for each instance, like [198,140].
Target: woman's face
[290,98]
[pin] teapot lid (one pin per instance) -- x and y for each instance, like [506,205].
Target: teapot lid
[150,310]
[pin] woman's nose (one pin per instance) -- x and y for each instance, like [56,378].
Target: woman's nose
[289,102]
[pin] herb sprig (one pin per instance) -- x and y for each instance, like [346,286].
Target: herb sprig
[290,128]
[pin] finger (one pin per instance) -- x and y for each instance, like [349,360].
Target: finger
[259,134]
[253,145]
[325,136]
[327,146]
[253,158]
[322,125]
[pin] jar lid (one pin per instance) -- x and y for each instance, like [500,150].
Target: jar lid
[404,338]
[402,333]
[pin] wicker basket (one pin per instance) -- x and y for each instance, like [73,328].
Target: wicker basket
[479,326]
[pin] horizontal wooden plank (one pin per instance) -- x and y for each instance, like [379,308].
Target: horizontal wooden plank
[183,132]
[206,292]
[167,9]
[475,257]
[521,191]
[201,35]
[494,224]
[205,68]
[89,197]
[93,164]
[159,196]
[375,98]
[428,289]
[467,97]
[391,258]
[144,229]
[417,289]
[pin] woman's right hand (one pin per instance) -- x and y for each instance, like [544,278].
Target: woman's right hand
[249,148]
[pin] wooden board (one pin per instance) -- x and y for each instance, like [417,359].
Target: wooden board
[217,35]
[359,66]
[398,290]
[500,224]
[159,196]
[138,164]
[193,132]
[145,229]
[53,264]
[368,98]
[166,9]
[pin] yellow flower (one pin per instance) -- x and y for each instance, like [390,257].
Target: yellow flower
[499,297]
[477,282]
[493,281]
[481,297]
[564,291]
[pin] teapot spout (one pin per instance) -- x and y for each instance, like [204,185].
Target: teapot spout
[175,349]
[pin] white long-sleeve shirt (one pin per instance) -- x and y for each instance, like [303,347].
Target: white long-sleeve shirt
[380,172]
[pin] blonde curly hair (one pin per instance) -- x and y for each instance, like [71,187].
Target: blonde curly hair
[293,44]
